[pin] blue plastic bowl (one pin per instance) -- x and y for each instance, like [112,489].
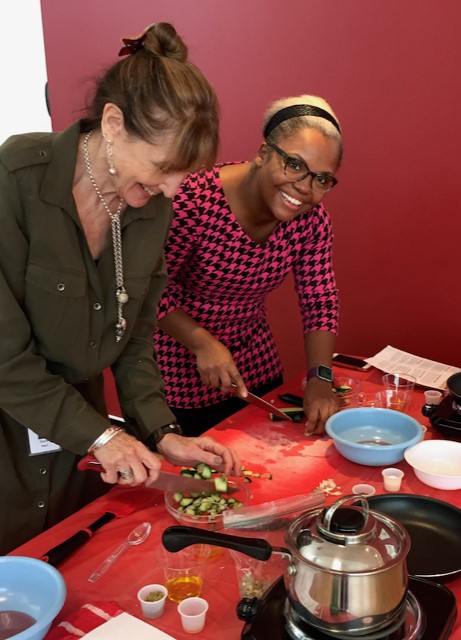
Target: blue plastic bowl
[373,436]
[33,587]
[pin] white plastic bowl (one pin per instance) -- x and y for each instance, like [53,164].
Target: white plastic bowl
[437,463]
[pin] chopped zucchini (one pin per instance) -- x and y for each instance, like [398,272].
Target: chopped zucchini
[206,504]
[221,484]
[204,470]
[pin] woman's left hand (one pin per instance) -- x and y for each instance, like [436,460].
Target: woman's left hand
[187,451]
[319,404]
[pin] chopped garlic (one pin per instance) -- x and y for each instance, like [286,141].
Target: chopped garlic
[328,487]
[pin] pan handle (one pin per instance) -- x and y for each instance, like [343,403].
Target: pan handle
[176,538]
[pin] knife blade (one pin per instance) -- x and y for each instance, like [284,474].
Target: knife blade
[263,404]
[167,481]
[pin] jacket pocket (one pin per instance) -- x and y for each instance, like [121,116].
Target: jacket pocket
[56,303]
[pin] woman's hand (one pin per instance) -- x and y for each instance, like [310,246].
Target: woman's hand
[217,368]
[319,404]
[127,461]
[185,451]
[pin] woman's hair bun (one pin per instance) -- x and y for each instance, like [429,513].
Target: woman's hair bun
[162,40]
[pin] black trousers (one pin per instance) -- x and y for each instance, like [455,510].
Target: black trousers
[194,422]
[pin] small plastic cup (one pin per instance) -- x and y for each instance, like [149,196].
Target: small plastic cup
[392,479]
[152,599]
[399,382]
[397,400]
[192,612]
[184,571]
[366,490]
[431,396]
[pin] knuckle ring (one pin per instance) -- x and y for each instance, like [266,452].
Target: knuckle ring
[126,475]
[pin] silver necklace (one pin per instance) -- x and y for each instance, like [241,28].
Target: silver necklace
[121,295]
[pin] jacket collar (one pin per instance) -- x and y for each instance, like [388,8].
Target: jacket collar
[57,183]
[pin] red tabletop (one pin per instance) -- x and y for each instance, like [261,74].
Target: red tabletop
[298,464]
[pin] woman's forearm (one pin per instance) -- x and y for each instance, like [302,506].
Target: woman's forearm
[319,348]
[184,329]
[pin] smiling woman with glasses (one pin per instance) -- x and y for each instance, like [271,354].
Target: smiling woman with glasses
[296,170]
[238,230]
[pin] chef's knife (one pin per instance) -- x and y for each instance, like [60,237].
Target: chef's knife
[58,553]
[165,480]
[262,404]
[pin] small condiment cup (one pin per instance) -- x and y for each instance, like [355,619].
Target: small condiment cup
[392,479]
[431,396]
[393,399]
[152,608]
[192,612]
[399,382]
[364,490]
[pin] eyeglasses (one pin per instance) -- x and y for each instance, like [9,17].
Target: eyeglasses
[297,170]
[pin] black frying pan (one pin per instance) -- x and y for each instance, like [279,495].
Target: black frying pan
[434,527]
[454,385]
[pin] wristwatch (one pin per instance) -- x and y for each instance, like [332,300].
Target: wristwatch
[154,439]
[322,372]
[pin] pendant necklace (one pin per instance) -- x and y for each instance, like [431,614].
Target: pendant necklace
[121,295]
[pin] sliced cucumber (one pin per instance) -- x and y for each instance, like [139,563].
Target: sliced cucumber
[204,470]
[207,504]
[221,484]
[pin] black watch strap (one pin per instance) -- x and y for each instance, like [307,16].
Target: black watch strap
[158,435]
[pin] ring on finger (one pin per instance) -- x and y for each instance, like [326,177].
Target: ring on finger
[126,475]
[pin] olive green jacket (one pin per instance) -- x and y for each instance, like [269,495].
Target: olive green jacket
[58,315]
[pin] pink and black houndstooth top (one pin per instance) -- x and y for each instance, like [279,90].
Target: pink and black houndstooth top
[221,277]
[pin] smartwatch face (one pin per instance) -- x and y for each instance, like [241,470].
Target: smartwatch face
[325,373]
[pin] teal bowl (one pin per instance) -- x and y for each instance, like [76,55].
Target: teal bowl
[29,587]
[373,436]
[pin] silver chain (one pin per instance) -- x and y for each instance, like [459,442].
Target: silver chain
[121,295]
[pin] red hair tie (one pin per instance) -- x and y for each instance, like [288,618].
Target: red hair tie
[133,44]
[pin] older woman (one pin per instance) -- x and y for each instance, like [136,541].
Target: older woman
[238,230]
[84,216]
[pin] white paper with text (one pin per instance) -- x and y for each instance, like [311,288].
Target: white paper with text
[428,373]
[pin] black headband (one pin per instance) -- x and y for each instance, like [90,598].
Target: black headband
[294,111]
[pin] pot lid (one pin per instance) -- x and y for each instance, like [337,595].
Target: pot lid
[348,538]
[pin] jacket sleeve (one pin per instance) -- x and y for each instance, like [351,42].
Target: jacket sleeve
[314,276]
[137,376]
[29,393]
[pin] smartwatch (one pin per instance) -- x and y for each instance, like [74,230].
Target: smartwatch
[154,439]
[322,372]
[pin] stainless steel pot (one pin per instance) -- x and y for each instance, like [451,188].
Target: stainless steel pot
[346,570]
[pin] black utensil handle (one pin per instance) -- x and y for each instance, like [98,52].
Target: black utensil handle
[176,538]
[61,551]
[292,399]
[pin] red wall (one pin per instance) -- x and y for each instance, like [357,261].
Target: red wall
[391,72]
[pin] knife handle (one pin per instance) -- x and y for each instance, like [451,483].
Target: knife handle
[292,399]
[89,463]
[58,553]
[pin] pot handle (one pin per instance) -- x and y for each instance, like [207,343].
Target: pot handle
[328,514]
[177,537]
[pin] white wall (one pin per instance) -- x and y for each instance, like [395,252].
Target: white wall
[22,69]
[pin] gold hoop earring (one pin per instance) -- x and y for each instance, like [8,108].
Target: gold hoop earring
[109,154]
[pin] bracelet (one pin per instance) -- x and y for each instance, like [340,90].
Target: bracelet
[158,435]
[104,438]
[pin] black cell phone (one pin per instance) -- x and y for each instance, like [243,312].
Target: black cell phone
[349,362]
